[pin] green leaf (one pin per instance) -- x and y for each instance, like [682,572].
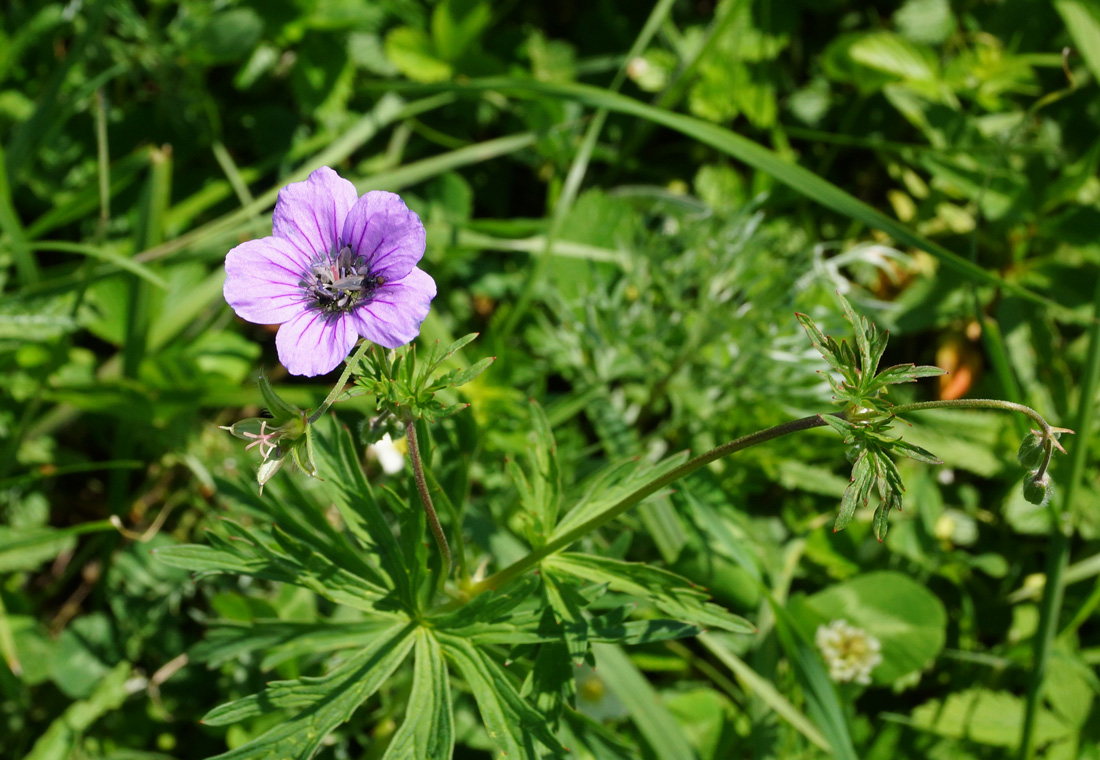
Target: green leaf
[279,641]
[858,491]
[512,723]
[567,606]
[667,591]
[456,25]
[914,452]
[262,560]
[1082,19]
[27,548]
[892,54]
[318,705]
[540,495]
[427,732]
[905,373]
[824,344]
[987,717]
[413,54]
[611,484]
[459,377]
[348,486]
[908,620]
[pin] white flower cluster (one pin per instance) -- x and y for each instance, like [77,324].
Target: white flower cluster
[851,653]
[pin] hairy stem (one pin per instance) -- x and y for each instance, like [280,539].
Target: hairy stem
[499,579]
[353,362]
[426,499]
[990,403]
[557,544]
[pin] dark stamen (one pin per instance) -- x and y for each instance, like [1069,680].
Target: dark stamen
[339,281]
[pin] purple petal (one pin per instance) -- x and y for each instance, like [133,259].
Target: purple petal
[310,215]
[393,316]
[312,344]
[261,281]
[382,230]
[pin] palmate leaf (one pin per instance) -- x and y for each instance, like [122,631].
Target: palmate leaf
[667,591]
[540,486]
[427,732]
[262,561]
[567,608]
[280,640]
[513,724]
[317,705]
[858,491]
[345,482]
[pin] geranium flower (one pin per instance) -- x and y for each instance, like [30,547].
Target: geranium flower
[337,267]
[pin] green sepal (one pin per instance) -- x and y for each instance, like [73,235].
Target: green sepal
[281,411]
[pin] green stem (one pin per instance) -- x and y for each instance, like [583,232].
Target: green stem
[353,362]
[990,403]
[499,579]
[426,500]
[1061,525]
[461,571]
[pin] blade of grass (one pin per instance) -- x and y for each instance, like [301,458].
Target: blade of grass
[682,77]
[655,723]
[389,109]
[536,272]
[103,165]
[45,119]
[83,202]
[25,263]
[149,231]
[1061,524]
[755,684]
[103,254]
[1082,19]
[822,701]
[755,155]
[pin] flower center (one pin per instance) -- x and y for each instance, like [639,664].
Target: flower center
[338,282]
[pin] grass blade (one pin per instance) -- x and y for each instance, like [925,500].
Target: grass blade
[757,685]
[757,156]
[660,730]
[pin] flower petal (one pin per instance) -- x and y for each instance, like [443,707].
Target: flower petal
[314,344]
[261,281]
[310,215]
[382,230]
[393,316]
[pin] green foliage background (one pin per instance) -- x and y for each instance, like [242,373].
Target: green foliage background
[630,202]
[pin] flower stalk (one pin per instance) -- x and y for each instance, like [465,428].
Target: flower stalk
[337,389]
[426,500]
[502,577]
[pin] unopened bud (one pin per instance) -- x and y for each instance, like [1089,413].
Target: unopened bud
[1038,490]
[1031,451]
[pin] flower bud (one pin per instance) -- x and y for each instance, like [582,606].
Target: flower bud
[1031,451]
[1038,490]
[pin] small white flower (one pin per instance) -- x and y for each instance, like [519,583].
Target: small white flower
[851,653]
[391,455]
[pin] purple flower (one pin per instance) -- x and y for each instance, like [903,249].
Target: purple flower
[337,267]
